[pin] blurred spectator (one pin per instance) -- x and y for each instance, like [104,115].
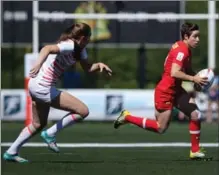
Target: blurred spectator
[213,101]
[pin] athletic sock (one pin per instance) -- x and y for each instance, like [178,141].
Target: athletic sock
[64,122]
[25,134]
[194,129]
[144,123]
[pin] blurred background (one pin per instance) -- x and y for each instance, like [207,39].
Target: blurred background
[135,49]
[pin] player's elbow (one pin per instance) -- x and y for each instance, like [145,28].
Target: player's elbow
[175,70]
[173,73]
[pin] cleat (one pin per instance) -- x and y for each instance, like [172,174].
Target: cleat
[196,155]
[50,141]
[121,119]
[14,158]
[199,155]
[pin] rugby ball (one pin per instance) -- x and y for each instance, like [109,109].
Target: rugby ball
[205,73]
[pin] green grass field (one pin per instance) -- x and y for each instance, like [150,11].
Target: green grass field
[113,161]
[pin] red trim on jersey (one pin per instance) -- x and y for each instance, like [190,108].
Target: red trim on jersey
[58,66]
[42,84]
[53,72]
[47,78]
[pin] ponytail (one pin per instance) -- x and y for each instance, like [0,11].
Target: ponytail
[75,31]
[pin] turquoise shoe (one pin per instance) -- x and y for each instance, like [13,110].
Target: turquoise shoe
[51,142]
[14,158]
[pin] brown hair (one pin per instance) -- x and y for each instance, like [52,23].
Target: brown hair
[187,29]
[75,31]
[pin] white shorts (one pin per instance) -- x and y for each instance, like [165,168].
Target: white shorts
[42,93]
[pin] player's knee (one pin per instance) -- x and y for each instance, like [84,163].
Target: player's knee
[162,130]
[196,115]
[162,127]
[36,125]
[39,125]
[84,112]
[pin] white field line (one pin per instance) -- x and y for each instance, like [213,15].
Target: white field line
[113,145]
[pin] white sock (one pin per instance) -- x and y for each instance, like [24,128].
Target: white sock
[64,122]
[25,134]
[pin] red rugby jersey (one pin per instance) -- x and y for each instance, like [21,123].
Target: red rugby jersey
[181,55]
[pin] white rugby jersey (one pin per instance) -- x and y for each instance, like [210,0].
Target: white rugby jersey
[56,64]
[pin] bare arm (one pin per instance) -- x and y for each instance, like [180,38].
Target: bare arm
[85,65]
[177,73]
[92,67]
[45,51]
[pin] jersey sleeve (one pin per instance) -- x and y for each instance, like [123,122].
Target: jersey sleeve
[180,57]
[84,54]
[66,46]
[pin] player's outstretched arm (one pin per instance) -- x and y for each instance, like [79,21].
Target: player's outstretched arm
[89,67]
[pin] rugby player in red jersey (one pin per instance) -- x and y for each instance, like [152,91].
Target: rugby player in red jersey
[169,92]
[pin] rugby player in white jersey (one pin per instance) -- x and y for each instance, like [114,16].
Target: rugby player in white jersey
[52,61]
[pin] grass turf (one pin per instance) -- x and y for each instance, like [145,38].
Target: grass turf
[110,161]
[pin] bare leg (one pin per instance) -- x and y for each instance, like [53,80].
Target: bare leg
[67,102]
[209,112]
[40,113]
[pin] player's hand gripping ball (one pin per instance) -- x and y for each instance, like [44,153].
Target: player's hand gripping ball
[205,73]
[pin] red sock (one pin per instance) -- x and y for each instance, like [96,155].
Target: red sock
[143,122]
[194,129]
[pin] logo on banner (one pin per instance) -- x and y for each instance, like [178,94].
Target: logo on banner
[12,104]
[114,104]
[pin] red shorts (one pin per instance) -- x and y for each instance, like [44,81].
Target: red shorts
[164,100]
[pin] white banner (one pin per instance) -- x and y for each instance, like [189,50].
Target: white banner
[103,104]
